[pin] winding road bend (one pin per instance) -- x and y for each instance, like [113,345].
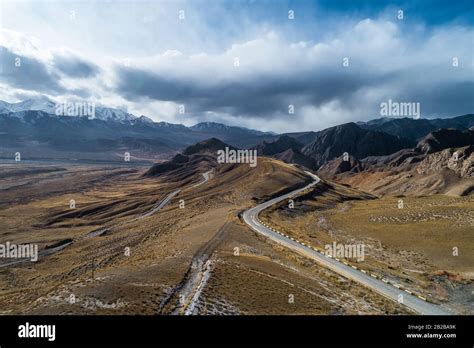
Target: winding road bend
[206,176]
[381,286]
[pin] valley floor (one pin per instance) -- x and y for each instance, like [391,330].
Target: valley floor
[194,254]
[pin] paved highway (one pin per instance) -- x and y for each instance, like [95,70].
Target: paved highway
[381,286]
[160,205]
[206,176]
[164,202]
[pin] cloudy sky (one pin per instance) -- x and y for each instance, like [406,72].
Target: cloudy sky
[242,62]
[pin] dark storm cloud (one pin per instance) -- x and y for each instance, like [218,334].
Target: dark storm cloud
[30,74]
[259,96]
[75,67]
[450,98]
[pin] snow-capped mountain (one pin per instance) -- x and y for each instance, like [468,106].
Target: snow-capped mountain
[49,106]
[145,119]
[171,126]
[110,114]
[45,129]
[37,104]
[96,112]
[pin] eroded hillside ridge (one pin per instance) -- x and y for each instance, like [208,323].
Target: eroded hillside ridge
[441,162]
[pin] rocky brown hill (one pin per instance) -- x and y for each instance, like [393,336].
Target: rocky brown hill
[333,142]
[442,162]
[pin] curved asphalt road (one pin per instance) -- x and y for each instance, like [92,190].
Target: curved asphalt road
[382,287]
[206,176]
[164,202]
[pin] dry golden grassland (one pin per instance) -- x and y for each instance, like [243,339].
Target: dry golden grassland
[265,278]
[412,245]
[95,275]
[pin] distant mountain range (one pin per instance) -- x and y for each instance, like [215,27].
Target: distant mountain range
[417,129]
[33,128]
[441,162]
[50,107]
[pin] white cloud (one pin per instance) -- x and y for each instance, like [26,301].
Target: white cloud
[386,60]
